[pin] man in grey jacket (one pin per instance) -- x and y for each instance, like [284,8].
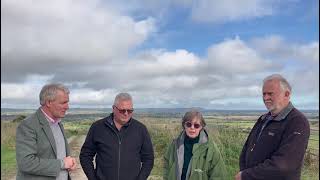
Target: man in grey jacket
[42,150]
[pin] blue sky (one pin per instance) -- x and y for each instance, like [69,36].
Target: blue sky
[171,53]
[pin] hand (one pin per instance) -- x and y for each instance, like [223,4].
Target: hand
[237,176]
[69,163]
[74,164]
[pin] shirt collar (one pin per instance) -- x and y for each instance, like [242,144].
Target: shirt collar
[283,114]
[51,120]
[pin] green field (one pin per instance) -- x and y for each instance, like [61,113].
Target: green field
[229,134]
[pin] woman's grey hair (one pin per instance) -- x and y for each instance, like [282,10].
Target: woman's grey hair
[49,92]
[190,115]
[122,97]
[284,84]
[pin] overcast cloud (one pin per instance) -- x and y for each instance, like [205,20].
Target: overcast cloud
[97,49]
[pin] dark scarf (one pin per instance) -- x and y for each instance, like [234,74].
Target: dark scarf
[188,145]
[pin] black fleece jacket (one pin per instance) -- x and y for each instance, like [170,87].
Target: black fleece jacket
[120,155]
[278,152]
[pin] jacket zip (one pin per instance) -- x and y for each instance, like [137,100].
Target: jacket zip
[119,152]
[119,157]
[253,147]
[262,128]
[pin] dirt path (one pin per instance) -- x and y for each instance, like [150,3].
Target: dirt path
[75,144]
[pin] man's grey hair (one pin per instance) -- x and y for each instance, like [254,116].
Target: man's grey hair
[122,97]
[49,92]
[284,84]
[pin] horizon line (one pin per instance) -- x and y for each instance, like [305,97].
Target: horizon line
[252,109]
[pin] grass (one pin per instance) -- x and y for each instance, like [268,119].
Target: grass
[8,153]
[314,140]
[229,135]
[8,162]
[76,128]
[230,141]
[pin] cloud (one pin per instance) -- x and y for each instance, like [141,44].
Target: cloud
[20,95]
[17,91]
[277,47]
[63,33]
[234,56]
[96,49]
[302,63]
[156,61]
[204,11]
[229,10]
[91,97]
[232,71]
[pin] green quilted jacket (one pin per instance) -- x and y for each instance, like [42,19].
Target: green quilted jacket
[205,164]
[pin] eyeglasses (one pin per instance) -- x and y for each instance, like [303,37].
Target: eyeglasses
[195,125]
[123,111]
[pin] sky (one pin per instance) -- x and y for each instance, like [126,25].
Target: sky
[167,54]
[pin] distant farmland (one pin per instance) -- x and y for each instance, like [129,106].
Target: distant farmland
[228,129]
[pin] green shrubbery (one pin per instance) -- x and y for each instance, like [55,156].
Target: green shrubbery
[8,154]
[229,139]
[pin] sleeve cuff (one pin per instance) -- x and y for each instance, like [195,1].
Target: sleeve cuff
[62,164]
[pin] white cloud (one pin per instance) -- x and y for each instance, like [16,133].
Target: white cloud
[93,47]
[205,11]
[174,81]
[309,52]
[92,97]
[16,95]
[277,47]
[234,56]
[82,30]
[162,62]
[229,76]
[230,10]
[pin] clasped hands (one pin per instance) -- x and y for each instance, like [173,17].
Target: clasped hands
[70,163]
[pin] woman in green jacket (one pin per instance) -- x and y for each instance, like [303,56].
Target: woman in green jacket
[192,156]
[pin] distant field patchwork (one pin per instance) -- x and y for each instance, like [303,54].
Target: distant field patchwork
[229,132]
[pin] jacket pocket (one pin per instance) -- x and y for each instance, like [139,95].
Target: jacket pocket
[198,174]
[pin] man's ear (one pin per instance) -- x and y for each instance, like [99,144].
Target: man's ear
[48,103]
[287,94]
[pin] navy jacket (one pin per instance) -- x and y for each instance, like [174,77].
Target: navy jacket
[278,153]
[120,155]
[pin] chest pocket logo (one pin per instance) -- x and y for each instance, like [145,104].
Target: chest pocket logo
[297,133]
[271,133]
[198,170]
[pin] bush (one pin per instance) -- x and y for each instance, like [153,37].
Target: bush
[19,118]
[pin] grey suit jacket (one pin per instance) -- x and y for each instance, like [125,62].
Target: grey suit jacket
[36,149]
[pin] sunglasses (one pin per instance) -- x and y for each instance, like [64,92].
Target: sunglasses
[123,111]
[189,125]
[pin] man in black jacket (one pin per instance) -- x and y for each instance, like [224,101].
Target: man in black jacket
[277,143]
[121,144]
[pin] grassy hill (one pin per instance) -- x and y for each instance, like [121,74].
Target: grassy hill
[229,131]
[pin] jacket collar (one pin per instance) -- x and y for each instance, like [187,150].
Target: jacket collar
[202,139]
[283,114]
[180,149]
[44,123]
[109,121]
